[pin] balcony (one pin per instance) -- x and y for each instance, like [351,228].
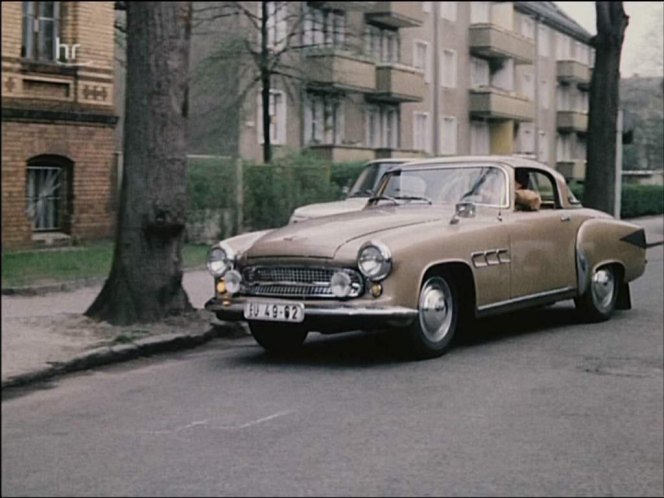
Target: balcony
[386,153]
[356,6]
[340,69]
[569,121]
[496,104]
[572,169]
[490,41]
[397,83]
[337,153]
[396,14]
[573,72]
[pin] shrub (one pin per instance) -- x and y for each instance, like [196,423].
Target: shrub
[636,200]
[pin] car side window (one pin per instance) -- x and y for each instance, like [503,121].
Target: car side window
[543,185]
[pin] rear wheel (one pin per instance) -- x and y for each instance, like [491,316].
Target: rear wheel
[278,337]
[431,334]
[599,300]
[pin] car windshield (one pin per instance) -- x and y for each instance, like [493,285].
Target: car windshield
[367,182]
[484,185]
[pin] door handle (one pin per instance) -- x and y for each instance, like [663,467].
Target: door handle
[564,218]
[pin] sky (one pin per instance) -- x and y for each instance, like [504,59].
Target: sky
[643,48]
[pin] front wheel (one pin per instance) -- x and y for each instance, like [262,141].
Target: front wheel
[599,300]
[432,332]
[278,337]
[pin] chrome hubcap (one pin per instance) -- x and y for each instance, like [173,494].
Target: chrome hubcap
[436,309]
[603,287]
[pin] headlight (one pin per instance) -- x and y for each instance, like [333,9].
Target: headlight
[221,258]
[374,260]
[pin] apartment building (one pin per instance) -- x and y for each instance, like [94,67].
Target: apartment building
[410,79]
[57,122]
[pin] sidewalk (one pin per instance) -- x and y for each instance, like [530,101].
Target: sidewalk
[47,335]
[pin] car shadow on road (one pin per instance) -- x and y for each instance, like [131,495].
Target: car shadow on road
[365,349]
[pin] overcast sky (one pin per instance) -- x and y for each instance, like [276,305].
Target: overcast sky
[643,46]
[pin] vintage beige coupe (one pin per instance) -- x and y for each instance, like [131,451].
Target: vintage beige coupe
[442,241]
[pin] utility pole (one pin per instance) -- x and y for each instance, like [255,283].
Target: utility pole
[619,158]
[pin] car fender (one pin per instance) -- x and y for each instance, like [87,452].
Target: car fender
[607,241]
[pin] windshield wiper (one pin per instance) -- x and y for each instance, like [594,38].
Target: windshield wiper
[362,193]
[414,198]
[383,198]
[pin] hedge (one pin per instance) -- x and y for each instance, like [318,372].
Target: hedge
[270,192]
[636,200]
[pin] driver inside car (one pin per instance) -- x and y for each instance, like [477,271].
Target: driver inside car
[524,198]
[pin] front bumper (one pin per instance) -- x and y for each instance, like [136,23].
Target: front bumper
[326,317]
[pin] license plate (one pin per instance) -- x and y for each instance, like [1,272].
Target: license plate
[274,312]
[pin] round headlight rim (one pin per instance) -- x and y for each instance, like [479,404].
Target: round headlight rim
[229,257]
[385,252]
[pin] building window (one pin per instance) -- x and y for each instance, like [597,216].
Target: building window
[480,12]
[449,134]
[544,96]
[448,10]
[448,68]
[323,119]
[526,138]
[543,152]
[503,76]
[426,7]
[421,132]
[480,73]
[543,43]
[563,147]
[41,30]
[323,27]
[421,59]
[563,47]
[479,138]
[382,126]
[48,193]
[276,24]
[528,27]
[277,117]
[528,85]
[382,44]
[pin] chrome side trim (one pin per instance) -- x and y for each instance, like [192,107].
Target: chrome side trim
[526,301]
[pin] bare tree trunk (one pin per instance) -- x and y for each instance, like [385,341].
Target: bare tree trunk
[265,85]
[599,187]
[145,283]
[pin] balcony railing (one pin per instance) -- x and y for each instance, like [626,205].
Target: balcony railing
[488,40]
[572,121]
[340,69]
[573,72]
[398,83]
[572,169]
[397,14]
[497,104]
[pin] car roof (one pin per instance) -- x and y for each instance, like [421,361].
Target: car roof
[513,161]
[388,160]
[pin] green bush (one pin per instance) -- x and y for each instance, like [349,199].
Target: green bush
[636,200]
[270,192]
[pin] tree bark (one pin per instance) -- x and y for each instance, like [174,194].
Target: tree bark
[599,186]
[265,85]
[145,283]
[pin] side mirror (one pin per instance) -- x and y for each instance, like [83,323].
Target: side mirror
[463,210]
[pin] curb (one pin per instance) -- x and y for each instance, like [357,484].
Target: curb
[105,355]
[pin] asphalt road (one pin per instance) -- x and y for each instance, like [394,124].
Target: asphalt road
[534,404]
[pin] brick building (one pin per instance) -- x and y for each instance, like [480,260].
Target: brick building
[58,120]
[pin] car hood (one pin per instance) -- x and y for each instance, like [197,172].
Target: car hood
[329,208]
[323,237]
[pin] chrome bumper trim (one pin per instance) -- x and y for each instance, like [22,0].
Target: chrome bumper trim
[322,311]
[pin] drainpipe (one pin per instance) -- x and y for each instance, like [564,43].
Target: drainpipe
[536,77]
[436,76]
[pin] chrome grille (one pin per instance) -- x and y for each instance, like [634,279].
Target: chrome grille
[295,281]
